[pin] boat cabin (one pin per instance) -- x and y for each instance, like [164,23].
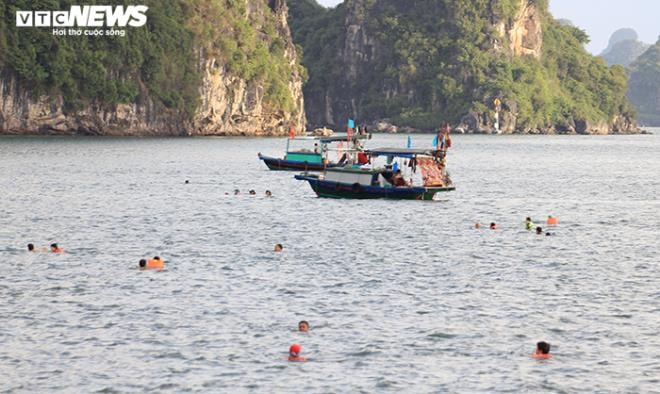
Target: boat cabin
[300,148]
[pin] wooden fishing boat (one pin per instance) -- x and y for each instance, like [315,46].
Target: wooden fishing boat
[317,157]
[419,174]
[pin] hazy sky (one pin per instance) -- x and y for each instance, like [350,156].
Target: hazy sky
[600,18]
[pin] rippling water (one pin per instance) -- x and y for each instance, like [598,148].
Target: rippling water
[401,295]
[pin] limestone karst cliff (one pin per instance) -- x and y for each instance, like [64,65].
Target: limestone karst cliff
[205,67]
[415,65]
[644,85]
[623,48]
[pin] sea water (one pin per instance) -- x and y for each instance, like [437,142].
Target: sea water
[402,296]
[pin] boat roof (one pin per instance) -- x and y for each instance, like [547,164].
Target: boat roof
[356,170]
[332,138]
[403,152]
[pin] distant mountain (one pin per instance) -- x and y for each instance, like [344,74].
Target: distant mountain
[644,86]
[624,47]
[565,22]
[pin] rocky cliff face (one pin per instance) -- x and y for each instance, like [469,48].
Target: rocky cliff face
[228,103]
[523,30]
[644,86]
[399,66]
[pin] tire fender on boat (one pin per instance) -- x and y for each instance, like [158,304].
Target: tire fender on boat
[357,188]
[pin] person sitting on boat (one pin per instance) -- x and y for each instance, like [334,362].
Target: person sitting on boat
[397,179]
[316,148]
[362,158]
[343,159]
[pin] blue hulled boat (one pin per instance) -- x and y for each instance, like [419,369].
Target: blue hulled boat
[388,181]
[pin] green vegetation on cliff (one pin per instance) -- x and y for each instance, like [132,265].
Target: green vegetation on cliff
[425,62]
[161,59]
[644,89]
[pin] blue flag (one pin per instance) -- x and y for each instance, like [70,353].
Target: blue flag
[351,124]
[435,141]
[409,143]
[395,167]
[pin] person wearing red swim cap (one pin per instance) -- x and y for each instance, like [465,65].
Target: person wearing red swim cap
[294,353]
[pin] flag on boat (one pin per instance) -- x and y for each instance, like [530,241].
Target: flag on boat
[292,132]
[409,143]
[435,141]
[349,129]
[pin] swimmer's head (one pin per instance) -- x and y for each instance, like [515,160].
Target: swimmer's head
[252,192]
[543,347]
[143,263]
[294,350]
[493,226]
[156,257]
[236,191]
[528,219]
[53,246]
[539,230]
[303,326]
[268,193]
[31,247]
[279,247]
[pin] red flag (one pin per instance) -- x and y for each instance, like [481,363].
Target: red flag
[292,132]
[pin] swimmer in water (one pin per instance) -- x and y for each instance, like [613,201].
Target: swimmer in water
[56,249]
[303,326]
[477,225]
[252,192]
[539,230]
[529,225]
[493,226]
[542,350]
[279,247]
[32,248]
[268,193]
[294,353]
[155,263]
[237,192]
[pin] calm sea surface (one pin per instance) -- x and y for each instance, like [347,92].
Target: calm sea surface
[401,295]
